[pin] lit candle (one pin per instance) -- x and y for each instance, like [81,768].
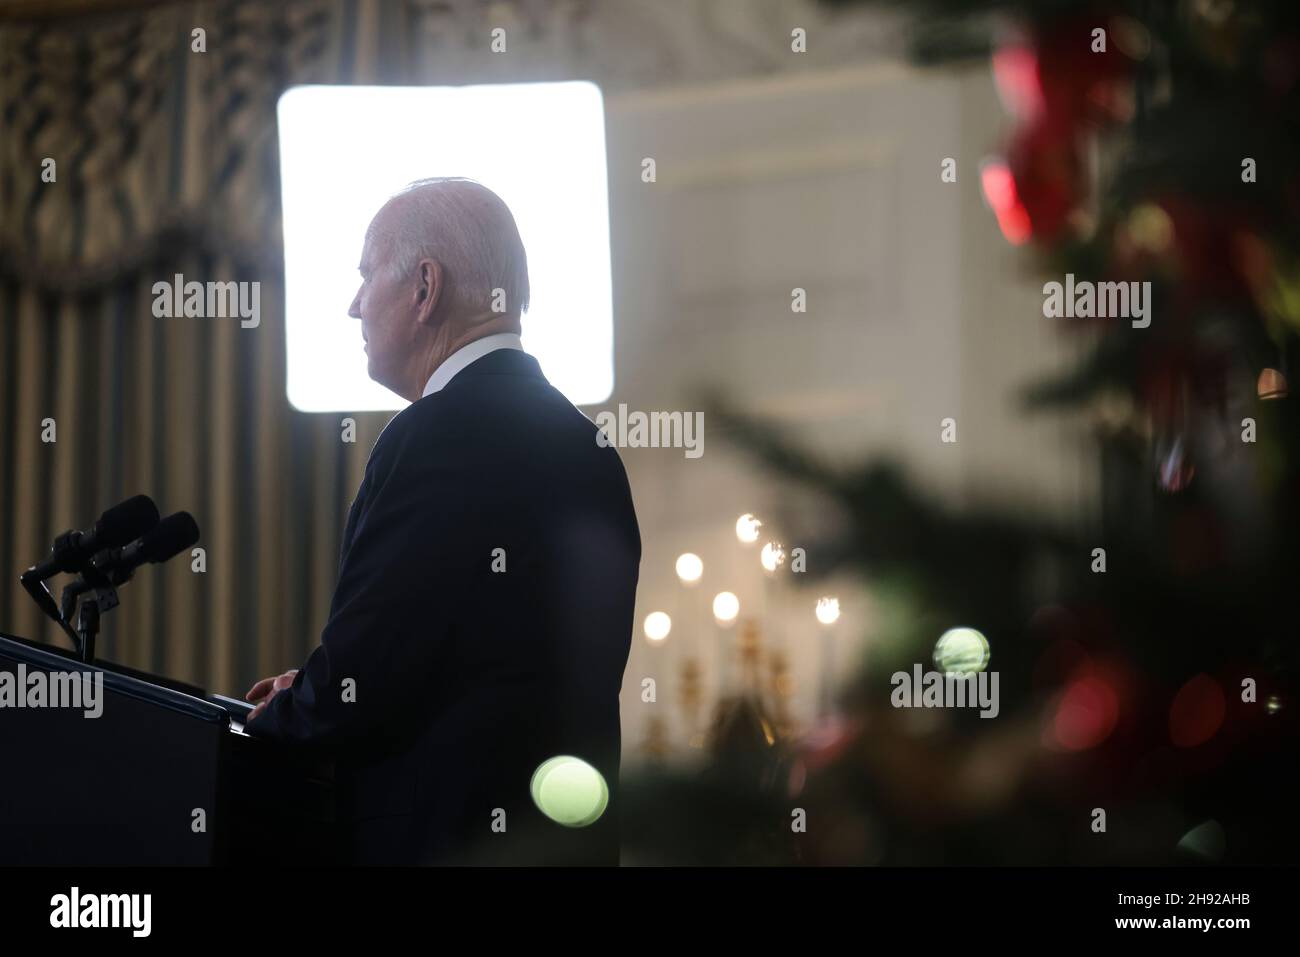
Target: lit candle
[726,607]
[828,613]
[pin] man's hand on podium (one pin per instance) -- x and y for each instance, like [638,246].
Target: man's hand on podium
[262,692]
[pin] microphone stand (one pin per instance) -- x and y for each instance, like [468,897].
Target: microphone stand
[88,628]
[103,583]
[95,578]
[45,601]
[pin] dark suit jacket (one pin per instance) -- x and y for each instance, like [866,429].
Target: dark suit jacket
[440,685]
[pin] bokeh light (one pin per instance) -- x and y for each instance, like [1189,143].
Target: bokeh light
[1086,714]
[726,607]
[961,651]
[689,568]
[1206,841]
[772,556]
[657,626]
[747,527]
[828,610]
[569,791]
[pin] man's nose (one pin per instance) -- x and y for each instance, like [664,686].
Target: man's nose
[354,310]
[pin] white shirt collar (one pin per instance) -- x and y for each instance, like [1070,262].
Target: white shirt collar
[466,354]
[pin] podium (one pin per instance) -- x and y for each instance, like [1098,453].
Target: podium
[163,775]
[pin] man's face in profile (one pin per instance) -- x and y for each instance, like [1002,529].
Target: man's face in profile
[386,307]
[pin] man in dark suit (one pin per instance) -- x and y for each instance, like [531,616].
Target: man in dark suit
[483,613]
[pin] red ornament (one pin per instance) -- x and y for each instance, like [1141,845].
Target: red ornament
[1057,80]
[1044,162]
[1057,71]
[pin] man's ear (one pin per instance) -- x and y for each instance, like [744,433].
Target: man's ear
[428,288]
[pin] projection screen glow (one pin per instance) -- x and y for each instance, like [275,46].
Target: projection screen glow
[540,146]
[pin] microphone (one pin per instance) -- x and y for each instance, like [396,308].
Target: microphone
[115,566]
[165,540]
[73,550]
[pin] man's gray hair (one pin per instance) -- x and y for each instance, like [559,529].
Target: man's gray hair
[469,230]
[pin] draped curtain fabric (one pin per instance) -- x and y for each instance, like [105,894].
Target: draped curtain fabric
[165,162]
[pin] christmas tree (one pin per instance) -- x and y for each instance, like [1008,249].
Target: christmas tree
[1147,665]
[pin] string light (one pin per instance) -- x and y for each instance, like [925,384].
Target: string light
[772,556]
[657,626]
[747,527]
[726,607]
[689,568]
[828,610]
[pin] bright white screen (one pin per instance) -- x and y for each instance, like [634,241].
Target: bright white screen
[344,150]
